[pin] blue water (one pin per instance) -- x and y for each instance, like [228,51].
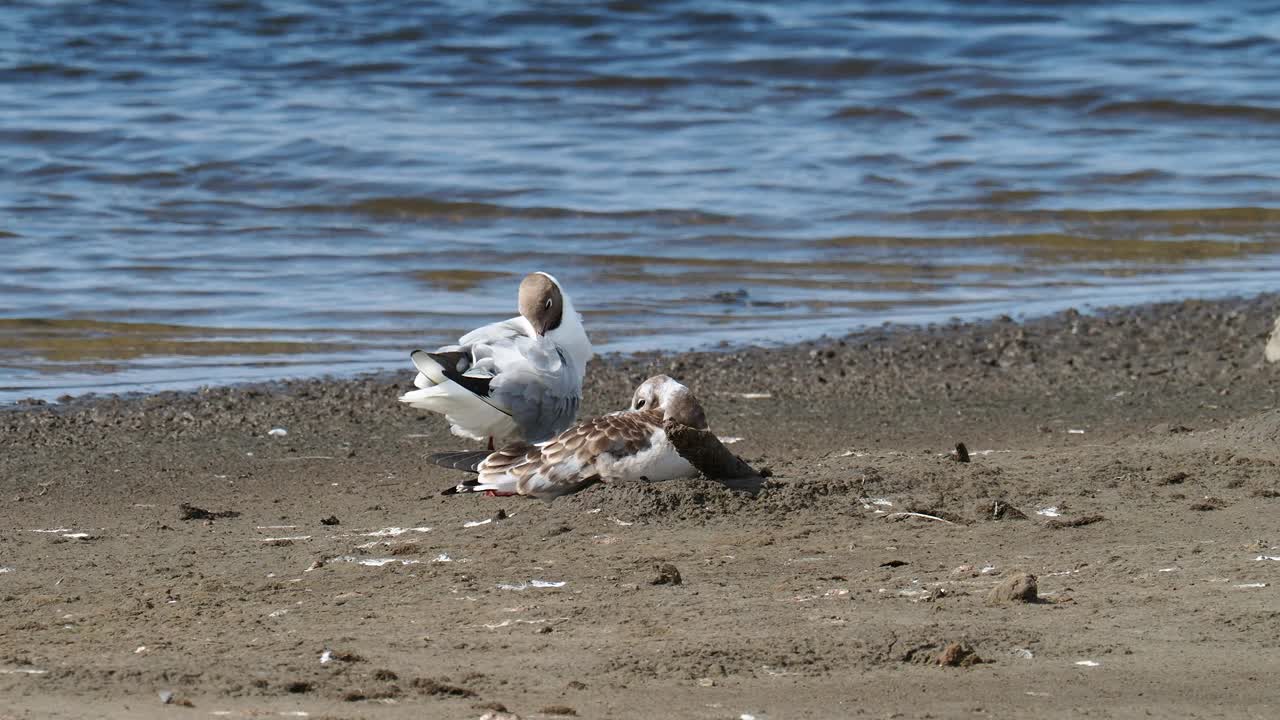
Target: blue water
[200,193]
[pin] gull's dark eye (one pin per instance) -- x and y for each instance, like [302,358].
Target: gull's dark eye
[548,303]
[639,404]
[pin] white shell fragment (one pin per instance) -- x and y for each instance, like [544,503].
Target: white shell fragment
[395,531]
[375,562]
[533,584]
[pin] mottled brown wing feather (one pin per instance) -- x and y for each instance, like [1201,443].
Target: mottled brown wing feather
[501,461]
[569,459]
[623,433]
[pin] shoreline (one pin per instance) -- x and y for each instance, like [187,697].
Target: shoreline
[59,397]
[821,594]
[616,359]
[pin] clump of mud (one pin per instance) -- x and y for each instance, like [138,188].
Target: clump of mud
[1017,587]
[958,655]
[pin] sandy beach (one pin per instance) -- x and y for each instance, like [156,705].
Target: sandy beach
[168,556]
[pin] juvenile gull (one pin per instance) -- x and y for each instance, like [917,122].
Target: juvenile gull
[515,380]
[629,445]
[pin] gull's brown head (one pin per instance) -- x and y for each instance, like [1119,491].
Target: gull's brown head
[676,401]
[541,302]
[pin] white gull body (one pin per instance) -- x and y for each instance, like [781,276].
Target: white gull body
[515,380]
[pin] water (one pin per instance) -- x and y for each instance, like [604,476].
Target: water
[200,193]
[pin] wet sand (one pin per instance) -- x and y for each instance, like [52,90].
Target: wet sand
[1153,434]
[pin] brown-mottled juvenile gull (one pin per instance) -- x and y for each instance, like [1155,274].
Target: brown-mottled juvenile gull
[633,444]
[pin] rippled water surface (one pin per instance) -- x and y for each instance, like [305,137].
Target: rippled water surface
[209,192]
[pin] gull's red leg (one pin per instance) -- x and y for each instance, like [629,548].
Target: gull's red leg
[494,493]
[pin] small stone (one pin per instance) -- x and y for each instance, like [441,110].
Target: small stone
[1017,587]
[668,574]
[997,510]
[1208,503]
[958,655]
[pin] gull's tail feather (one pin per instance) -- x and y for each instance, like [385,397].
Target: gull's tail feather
[427,398]
[462,487]
[505,486]
[465,405]
[465,460]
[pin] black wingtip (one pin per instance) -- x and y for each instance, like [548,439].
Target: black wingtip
[454,365]
[450,491]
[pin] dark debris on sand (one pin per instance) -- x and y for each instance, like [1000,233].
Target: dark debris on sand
[1083,520]
[191,512]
